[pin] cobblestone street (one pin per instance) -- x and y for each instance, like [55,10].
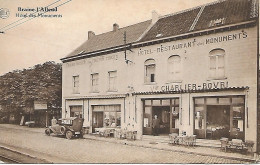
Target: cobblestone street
[34,142]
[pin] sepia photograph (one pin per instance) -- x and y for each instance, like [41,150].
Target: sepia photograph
[129,82]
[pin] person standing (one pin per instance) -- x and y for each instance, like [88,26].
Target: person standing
[53,121]
[156,125]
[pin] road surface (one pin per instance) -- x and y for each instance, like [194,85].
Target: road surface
[60,150]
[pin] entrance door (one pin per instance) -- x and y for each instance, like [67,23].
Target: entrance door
[97,120]
[163,114]
[218,121]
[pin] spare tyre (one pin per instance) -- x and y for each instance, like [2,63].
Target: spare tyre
[62,130]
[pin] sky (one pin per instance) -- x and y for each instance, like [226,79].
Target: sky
[41,39]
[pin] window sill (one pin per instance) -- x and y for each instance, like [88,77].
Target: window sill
[220,78]
[112,90]
[174,81]
[150,83]
[94,91]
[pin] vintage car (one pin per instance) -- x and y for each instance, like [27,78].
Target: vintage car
[70,127]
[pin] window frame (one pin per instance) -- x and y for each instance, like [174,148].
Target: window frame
[172,70]
[216,53]
[75,89]
[148,63]
[112,88]
[94,86]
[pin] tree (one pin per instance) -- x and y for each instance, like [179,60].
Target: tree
[20,88]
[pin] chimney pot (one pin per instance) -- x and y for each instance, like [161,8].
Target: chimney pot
[115,27]
[90,34]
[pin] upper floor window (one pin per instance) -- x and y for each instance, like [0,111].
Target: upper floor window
[112,78]
[149,70]
[94,82]
[174,68]
[217,64]
[75,84]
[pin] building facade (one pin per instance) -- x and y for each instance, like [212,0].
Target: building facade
[196,70]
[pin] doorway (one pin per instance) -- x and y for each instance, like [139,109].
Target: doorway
[163,114]
[97,120]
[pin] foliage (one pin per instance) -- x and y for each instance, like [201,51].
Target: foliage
[20,88]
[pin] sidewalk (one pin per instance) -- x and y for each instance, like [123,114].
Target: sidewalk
[205,151]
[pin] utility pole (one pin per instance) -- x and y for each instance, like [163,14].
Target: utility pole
[125,48]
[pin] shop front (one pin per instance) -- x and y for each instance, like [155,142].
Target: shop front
[76,111]
[108,116]
[167,112]
[217,117]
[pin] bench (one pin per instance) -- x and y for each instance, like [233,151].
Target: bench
[236,144]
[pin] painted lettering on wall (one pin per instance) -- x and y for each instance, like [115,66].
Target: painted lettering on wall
[191,87]
[193,43]
[92,60]
[229,37]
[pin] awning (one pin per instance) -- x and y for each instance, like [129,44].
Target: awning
[192,91]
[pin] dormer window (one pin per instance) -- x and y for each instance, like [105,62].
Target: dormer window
[217,22]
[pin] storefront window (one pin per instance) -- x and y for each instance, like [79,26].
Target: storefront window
[156,102]
[199,118]
[224,101]
[109,114]
[175,117]
[212,100]
[147,116]
[238,118]
[166,102]
[199,101]
[76,111]
[220,117]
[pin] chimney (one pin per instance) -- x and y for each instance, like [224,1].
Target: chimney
[90,34]
[115,27]
[155,16]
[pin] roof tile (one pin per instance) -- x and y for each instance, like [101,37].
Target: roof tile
[112,38]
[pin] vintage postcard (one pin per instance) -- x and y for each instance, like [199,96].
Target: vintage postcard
[130,81]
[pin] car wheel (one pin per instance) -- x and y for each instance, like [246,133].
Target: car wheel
[69,134]
[48,132]
[62,130]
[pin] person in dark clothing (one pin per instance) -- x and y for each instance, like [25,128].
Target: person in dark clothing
[156,125]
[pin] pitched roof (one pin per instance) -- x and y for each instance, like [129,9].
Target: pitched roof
[112,38]
[219,13]
[215,14]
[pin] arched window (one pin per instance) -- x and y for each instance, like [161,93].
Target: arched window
[217,63]
[174,68]
[149,70]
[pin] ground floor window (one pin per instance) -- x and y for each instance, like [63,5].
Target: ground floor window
[160,116]
[217,117]
[106,116]
[76,111]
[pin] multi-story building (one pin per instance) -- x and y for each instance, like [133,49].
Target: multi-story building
[196,70]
